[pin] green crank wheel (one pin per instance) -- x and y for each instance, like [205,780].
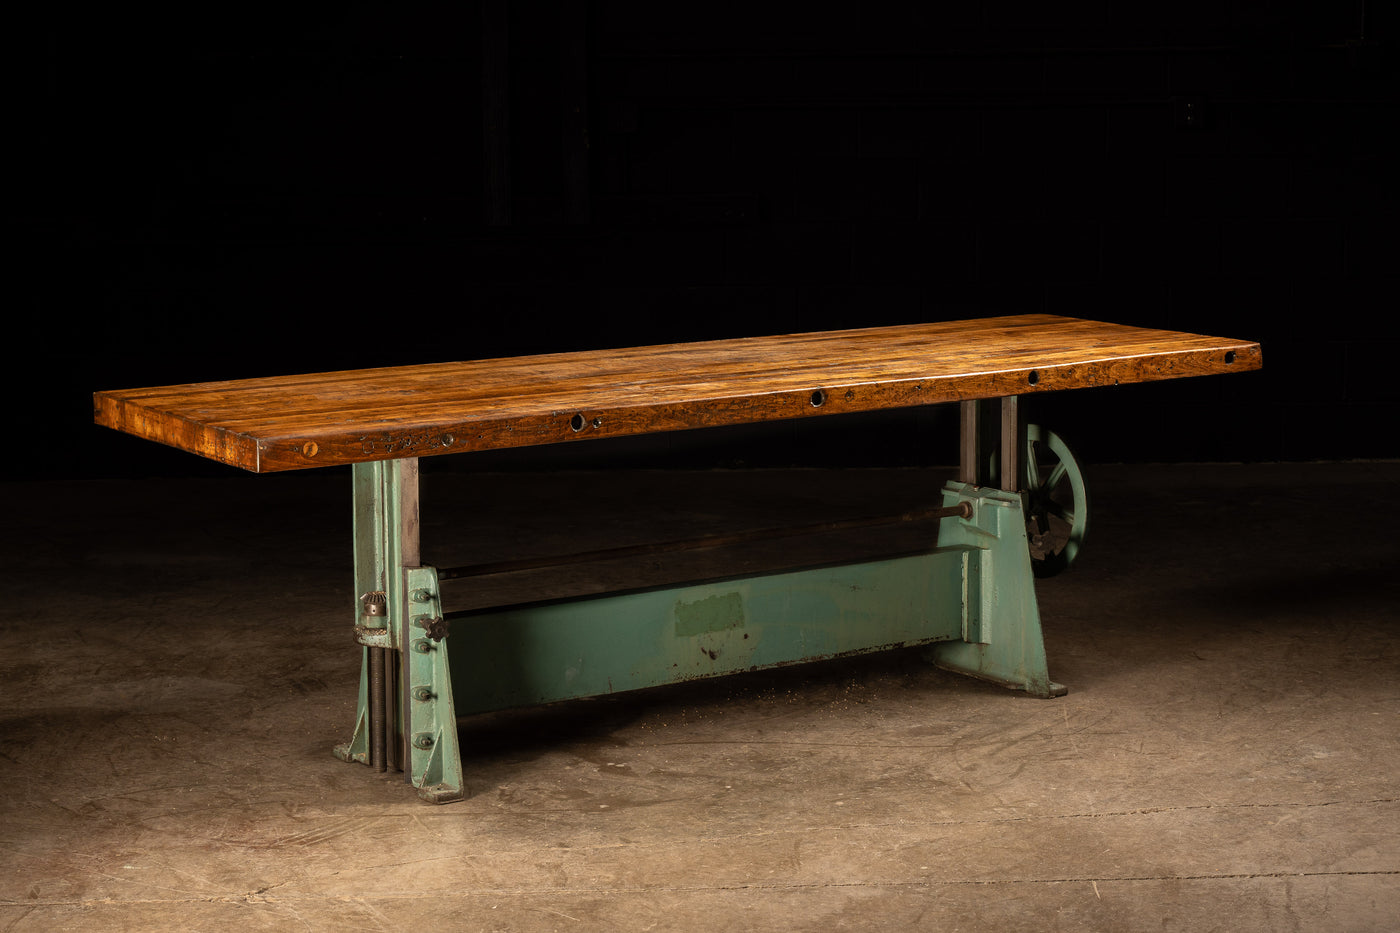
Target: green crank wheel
[1057,504]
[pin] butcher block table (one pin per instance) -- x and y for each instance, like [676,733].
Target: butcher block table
[1017,508]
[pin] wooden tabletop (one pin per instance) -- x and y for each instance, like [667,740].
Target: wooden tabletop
[323,419]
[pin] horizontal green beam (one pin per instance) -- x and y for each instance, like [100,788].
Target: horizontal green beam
[544,652]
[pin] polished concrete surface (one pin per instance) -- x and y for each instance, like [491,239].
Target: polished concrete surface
[176,664]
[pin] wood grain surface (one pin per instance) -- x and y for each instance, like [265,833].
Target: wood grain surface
[324,419]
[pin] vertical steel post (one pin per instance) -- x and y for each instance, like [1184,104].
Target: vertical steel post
[409,554]
[967,443]
[1010,446]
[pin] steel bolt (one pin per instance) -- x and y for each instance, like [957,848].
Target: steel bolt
[422,645]
[422,694]
[423,740]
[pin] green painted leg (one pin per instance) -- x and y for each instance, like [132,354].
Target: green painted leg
[404,720]
[1002,640]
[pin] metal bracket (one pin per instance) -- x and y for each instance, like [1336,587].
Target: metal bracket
[435,765]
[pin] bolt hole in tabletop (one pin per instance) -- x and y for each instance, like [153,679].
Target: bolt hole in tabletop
[1018,508]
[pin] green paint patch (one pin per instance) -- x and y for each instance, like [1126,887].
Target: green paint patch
[711,614]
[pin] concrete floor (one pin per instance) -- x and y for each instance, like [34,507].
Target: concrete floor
[176,664]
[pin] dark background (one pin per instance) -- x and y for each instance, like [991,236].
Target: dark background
[230,193]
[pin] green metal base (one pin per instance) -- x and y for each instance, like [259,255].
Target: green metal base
[970,597]
[1001,639]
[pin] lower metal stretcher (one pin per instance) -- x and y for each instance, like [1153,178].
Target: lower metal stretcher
[1016,509]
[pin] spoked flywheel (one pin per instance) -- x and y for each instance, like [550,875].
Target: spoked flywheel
[1057,504]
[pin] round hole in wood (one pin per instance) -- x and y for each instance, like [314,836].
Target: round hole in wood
[1229,356]
[1033,378]
[818,397]
[578,421]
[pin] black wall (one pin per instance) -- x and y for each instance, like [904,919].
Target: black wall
[216,195]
